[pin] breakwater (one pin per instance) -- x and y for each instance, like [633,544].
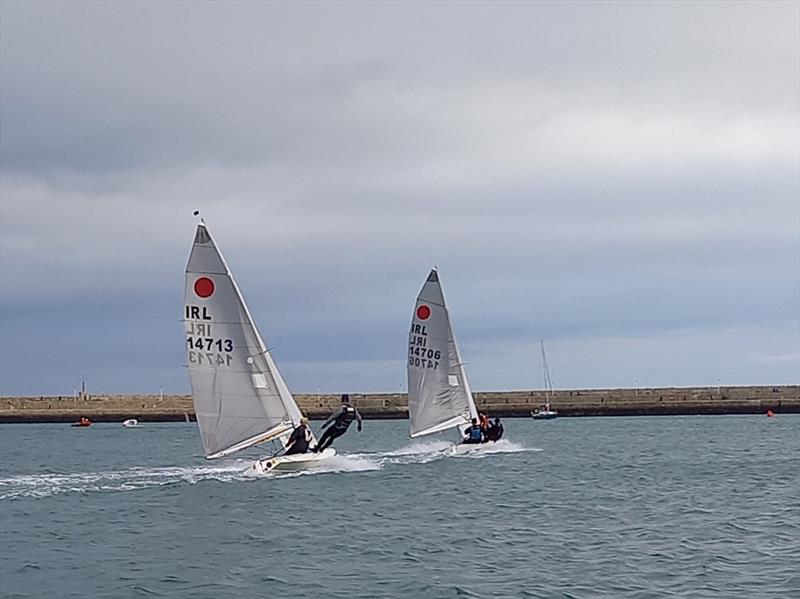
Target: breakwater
[576,402]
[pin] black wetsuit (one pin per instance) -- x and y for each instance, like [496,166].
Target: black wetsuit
[342,417]
[495,432]
[298,442]
[474,434]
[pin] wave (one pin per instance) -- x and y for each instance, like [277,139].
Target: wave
[137,478]
[130,479]
[485,449]
[417,448]
[418,452]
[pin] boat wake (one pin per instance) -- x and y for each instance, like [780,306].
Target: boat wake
[477,452]
[418,452]
[138,478]
[418,448]
[131,479]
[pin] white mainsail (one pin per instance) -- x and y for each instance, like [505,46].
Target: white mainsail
[239,396]
[439,396]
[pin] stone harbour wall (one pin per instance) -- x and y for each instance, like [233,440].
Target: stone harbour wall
[579,402]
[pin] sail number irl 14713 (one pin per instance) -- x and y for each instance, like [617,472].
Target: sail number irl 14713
[204,349]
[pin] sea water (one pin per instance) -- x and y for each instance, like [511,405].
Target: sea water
[576,507]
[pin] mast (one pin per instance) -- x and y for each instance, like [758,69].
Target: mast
[547,382]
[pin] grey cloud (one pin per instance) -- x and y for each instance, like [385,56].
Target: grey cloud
[148,85]
[603,175]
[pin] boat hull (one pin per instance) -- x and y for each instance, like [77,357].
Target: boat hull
[544,415]
[290,463]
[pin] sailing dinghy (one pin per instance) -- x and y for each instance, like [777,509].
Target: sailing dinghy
[439,396]
[240,398]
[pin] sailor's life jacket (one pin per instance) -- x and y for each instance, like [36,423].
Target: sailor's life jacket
[474,433]
[347,416]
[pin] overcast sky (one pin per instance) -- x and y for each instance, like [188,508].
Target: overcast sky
[621,180]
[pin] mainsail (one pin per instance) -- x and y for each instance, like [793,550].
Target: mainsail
[239,396]
[439,396]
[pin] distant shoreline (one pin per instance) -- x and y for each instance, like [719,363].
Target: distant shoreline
[569,403]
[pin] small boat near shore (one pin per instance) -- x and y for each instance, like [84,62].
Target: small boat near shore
[130,423]
[82,423]
[545,412]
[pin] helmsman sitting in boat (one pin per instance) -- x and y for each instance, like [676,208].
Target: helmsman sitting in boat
[301,438]
[474,434]
[483,431]
[342,417]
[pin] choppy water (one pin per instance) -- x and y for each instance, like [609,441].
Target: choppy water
[584,507]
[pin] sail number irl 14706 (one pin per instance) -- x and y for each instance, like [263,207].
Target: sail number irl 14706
[419,354]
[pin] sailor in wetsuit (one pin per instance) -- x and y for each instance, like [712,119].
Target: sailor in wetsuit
[474,434]
[341,418]
[495,431]
[300,439]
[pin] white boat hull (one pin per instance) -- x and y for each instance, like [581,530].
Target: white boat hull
[130,423]
[290,463]
[544,415]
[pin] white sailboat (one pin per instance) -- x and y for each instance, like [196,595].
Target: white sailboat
[545,412]
[240,398]
[439,396]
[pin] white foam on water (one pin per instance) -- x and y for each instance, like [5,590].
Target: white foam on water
[507,446]
[130,479]
[418,452]
[417,448]
[231,470]
[422,452]
[485,449]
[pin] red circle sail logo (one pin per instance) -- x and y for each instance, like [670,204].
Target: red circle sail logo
[204,287]
[423,312]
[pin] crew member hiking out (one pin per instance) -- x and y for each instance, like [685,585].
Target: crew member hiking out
[473,433]
[341,418]
[300,439]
